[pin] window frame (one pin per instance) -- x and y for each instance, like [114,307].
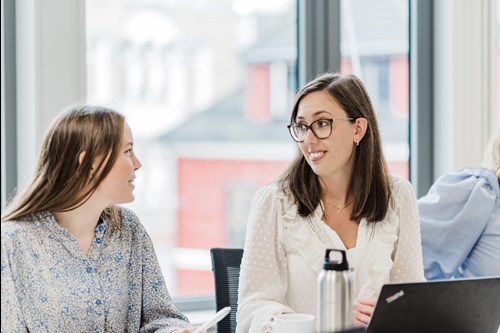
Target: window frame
[421,127]
[8,108]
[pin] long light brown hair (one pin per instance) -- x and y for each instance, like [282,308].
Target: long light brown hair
[61,181]
[369,185]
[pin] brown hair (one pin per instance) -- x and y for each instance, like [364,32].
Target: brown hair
[60,178]
[369,184]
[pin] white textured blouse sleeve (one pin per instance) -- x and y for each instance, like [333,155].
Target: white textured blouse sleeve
[408,262]
[264,278]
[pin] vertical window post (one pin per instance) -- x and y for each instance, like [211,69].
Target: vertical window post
[421,95]
[318,38]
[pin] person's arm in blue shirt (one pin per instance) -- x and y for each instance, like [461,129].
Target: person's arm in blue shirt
[453,216]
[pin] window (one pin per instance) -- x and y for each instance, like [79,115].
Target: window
[374,46]
[8,101]
[173,73]
[206,87]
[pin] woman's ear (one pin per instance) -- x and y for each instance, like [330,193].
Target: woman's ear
[361,125]
[81,157]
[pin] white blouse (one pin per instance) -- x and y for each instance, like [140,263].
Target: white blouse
[284,254]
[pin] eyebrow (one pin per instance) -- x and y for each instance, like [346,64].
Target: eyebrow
[317,113]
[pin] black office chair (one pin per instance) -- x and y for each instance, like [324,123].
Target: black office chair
[226,268]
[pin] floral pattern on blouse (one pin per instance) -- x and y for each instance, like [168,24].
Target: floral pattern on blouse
[49,285]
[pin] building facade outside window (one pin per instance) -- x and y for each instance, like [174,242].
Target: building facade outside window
[209,100]
[209,103]
[375,46]
[206,87]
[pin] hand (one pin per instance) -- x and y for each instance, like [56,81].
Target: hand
[362,310]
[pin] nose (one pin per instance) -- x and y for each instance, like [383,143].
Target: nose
[137,163]
[310,137]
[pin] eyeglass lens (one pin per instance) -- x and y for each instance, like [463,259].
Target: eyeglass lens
[321,129]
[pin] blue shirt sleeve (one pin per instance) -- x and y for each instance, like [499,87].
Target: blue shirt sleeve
[453,216]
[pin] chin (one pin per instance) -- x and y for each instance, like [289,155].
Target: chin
[317,170]
[127,200]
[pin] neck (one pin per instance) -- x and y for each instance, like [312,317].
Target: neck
[335,191]
[79,225]
[81,221]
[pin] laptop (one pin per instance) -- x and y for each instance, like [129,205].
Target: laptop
[442,306]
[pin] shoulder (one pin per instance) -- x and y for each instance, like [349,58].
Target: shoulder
[274,197]
[467,191]
[269,190]
[266,193]
[12,230]
[400,186]
[131,222]
[470,178]
[403,198]
[487,177]
[22,232]
[129,216]
[20,227]
[271,193]
[462,184]
[12,227]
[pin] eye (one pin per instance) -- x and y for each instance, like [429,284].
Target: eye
[301,127]
[128,151]
[323,123]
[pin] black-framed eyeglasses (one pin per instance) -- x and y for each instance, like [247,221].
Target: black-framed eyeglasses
[321,128]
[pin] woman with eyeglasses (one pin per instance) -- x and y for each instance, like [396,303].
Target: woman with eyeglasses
[72,259]
[337,193]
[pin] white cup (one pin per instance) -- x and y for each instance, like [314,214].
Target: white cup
[291,323]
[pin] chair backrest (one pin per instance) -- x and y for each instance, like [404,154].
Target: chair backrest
[226,268]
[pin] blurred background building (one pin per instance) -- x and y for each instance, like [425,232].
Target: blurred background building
[207,87]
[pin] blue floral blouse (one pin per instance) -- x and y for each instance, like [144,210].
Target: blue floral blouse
[49,285]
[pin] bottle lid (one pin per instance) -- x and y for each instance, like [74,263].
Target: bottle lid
[331,264]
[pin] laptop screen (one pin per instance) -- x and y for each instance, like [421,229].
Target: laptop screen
[454,306]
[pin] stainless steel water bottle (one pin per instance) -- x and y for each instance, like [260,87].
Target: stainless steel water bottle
[334,293]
